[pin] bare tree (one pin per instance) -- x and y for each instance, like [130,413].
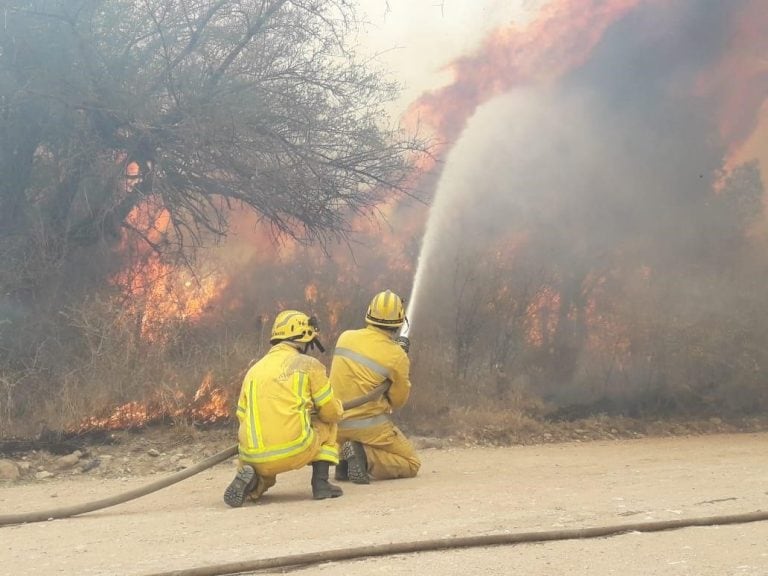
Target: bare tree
[218,103]
[128,124]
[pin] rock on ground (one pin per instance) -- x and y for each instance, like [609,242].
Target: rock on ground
[9,470]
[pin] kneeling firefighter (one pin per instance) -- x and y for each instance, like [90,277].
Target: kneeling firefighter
[287,413]
[372,446]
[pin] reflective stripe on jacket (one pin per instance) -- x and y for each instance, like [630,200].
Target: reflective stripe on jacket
[362,360]
[278,396]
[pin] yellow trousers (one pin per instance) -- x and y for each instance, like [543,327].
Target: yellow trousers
[388,451]
[324,447]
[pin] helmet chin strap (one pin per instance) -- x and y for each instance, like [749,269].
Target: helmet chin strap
[315,342]
[305,347]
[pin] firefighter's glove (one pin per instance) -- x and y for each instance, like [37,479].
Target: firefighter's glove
[404,343]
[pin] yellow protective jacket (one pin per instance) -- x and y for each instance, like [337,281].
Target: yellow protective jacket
[362,360]
[279,395]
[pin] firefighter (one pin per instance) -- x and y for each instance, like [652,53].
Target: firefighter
[288,414]
[372,446]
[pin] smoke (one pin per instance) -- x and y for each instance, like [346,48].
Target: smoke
[597,170]
[739,79]
[559,39]
[582,218]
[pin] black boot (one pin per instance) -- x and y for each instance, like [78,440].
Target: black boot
[321,488]
[357,462]
[341,473]
[244,481]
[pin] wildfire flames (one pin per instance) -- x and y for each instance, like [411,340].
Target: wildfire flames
[155,291]
[210,404]
[740,82]
[561,39]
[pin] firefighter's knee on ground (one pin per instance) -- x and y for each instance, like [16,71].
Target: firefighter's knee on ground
[414,464]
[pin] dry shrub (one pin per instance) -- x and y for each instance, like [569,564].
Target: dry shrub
[7,385]
[477,408]
[494,424]
[94,358]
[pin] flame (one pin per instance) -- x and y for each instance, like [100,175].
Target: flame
[561,38]
[156,292]
[739,82]
[310,293]
[334,311]
[542,316]
[210,404]
[132,172]
[606,333]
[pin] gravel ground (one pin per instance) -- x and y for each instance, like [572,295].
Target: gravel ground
[460,492]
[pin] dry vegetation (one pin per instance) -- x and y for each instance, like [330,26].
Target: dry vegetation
[597,274]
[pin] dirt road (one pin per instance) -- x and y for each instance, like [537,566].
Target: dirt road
[460,492]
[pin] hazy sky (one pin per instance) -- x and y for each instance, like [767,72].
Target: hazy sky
[417,38]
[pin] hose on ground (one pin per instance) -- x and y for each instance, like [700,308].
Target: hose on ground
[77,509]
[341,554]
[67,511]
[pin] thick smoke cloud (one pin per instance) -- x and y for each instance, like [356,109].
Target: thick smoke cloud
[602,186]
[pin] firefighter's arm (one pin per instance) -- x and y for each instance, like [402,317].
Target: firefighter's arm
[400,389]
[328,407]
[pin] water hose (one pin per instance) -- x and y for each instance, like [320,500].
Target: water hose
[340,554]
[77,509]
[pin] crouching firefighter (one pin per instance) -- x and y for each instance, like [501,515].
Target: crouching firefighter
[287,413]
[364,359]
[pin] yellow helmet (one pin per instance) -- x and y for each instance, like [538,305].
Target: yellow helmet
[386,310]
[294,326]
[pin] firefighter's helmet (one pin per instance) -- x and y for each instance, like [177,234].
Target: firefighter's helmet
[386,310]
[294,326]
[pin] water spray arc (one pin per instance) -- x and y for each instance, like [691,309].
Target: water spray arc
[411,303]
[427,250]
